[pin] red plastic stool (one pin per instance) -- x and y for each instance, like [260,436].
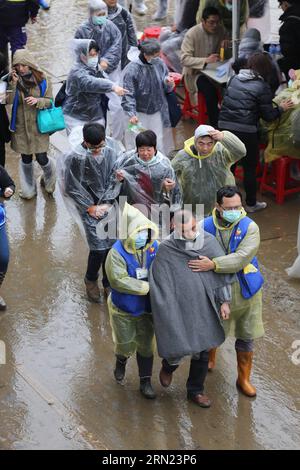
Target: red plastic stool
[277,180]
[198,111]
[152,32]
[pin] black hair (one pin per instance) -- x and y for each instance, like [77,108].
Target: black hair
[3,62]
[149,46]
[147,139]
[240,63]
[93,45]
[93,133]
[210,11]
[227,191]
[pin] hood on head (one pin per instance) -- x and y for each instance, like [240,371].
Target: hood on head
[24,57]
[133,221]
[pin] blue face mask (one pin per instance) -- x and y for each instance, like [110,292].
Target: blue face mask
[141,239]
[92,62]
[232,215]
[99,20]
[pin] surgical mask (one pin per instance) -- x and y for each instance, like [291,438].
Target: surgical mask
[92,62]
[143,162]
[232,215]
[99,20]
[152,61]
[228,6]
[141,239]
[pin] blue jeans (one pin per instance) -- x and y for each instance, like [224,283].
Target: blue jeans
[15,35]
[4,250]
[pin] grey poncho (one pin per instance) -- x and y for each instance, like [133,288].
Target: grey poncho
[185,304]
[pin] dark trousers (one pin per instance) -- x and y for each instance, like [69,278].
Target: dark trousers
[15,35]
[249,163]
[97,259]
[2,153]
[41,158]
[4,250]
[211,98]
[197,373]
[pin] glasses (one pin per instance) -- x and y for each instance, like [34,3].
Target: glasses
[97,147]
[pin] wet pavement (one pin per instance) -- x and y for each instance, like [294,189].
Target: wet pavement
[57,389]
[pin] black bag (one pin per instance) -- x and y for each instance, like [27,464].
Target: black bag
[174,108]
[61,95]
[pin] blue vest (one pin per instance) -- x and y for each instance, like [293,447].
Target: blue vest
[13,121]
[133,304]
[2,215]
[251,280]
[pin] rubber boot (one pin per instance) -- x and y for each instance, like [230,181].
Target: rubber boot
[93,292]
[140,7]
[120,368]
[27,180]
[145,365]
[2,302]
[48,179]
[244,366]
[161,12]
[212,359]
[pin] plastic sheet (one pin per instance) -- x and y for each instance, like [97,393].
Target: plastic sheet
[284,133]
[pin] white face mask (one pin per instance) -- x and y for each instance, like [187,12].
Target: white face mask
[92,62]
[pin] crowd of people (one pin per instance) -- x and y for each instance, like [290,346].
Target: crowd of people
[188,291]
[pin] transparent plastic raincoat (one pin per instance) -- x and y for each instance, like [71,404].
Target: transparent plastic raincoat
[143,182]
[146,99]
[108,39]
[284,133]
[85,89]
[83,180]
[124,22]
[130,334]
[200,177]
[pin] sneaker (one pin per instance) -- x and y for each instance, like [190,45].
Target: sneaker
[43,4]
[140,8]
[158,16]
[259,206]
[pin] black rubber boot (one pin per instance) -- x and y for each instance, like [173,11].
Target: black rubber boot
[119,371]
[145,365]
[146,388]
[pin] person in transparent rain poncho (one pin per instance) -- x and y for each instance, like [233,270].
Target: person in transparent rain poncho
[147,80]
[109,41]
[83,177]
[87,89]
[124,22]
[203,166]
[145,176]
